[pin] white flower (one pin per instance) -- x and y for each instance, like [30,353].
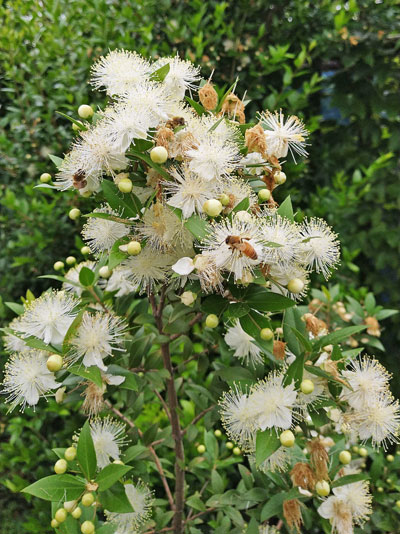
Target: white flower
[101,234]
[238,417]
[71,168]
[73,276]
[184,266]
[242,343]
[213,158]
[273,402]
[321,247]
[237,190]
[282,135]
[119,281]
[140,498]
[256,159]
[95,339]
[11,342]
[208,273]
[163,230]
[378,420]
[147,267]
[48,317]
[188,192]
[241,257]
[277,461]
[181,75]
[280,231]
[107,435]
[306,401]
[188,298]
[366,377]
[27,378]
[119,71]
[280,275]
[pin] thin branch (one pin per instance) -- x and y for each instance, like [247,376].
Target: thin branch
[197,418]
[163,403]
[196,319]
[168,529]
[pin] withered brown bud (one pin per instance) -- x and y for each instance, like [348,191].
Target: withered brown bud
[292,514]
[208,96]
[319,459]
[302,475]
[254,139]
[279,349]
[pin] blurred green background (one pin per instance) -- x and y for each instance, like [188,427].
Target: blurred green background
[335,64]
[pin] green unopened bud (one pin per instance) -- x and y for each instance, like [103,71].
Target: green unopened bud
[188,298]
[60,467]
[54,363]
[390,457]
[345,457]
[159,154]
[280,177]
[74,214]
[307,386]
[45,178]
[266,334]
[87,527]
[212,207]
[85,250]
[363,452]
[201,449]
[54,523]
[88,499]
[212,320]
[77,127]
[217,433]
[76,514]
[296,285]
[105,272]
[224,199]
[125,185]
[133,248]
[58,266]
[70,260]
[60,515]
[287,438]
[322,488]
[236,451]
[69,505]
[264,195]
[229,445]
[85,111]
[70,454]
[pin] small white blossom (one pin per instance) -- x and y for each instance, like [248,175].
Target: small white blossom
[95,339]
[119,281]
[73,276]
[140,498]
[238,417]
[280,275]
[13,343]
[379,420]
[283,135]
[277,461]
[101,234]
[256,159]
[108,437]
[213,158]
[147,268]
[27,378]
[48,317]
[181,76]
[320,246]
[242,343]
[280,231]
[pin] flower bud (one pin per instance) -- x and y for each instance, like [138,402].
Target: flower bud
[390,458]
[201,449]
[54,363]
[87,527]
[134,248]
[85,250]
[363,452]
[125,185]
[229,445]
[70,260]
[60,467]
[159,154]
[70,454]
[212,320]
[266,334]
[76,514]
[236,451]
[85,111]
[243,216]
[295,285]
[69,505]
[45,178]
[60,394]
[74,214]
[264,195]
[118,462]
[307,386]
[322,488]
[58,266]
[345,457]
[54,523]
[188,297]
[397,502]
[104,272]
[212,207]
[88,499]
[217,433]
[287,438]
[60,515]
[77,127]
[224,199]
[280,177]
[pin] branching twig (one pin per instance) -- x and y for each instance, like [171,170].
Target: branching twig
[196,319]
[165,406]
[197,418]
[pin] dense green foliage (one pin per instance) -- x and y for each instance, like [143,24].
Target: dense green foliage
[335,66]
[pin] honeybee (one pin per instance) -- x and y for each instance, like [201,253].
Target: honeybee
[175,122]
[236,242]
[79,181]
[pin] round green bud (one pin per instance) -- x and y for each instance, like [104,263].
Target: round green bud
[244,216]
[264,195]
[345,457]
[355,449]
[287,438]
[201,449]
[380,489]
[118,462]
[70,260]
[76,514]
[217,433]
[125,185]
[104,272]
[159,154]
[390,457]
[54,363]
[85,111]
[58,266]
[362,451]
[134,248]
[87,527]
[69,505]
[295,285]
[85,250]
[236,451]
[61,515]
[229,445]
[74,214]
[307,386]
[280,177]
[60,466]
[88,499]
[54,523]
[45,178]
[224,199]
[212,320]
[266,334]
[389,480]
[322,488]
[212,207]
[70,454]
[397,503]
[77,127]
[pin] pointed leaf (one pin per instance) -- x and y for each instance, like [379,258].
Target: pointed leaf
[56,488]
[85,452]
[267,442]
[110,474]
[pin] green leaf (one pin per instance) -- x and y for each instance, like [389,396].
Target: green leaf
[236,310]
[232,374]
[77,123]
[196,106]
[146,158]
[229,91]
[92,373]
[337,336]
[160,74]
[56,160]
[252,324]
[267,442]
[262,300]
[37,343]
[214,304]
[217,483]
[307,345]
[72,329]
[86,277]
[295,372]
[122,203]
[60,279]
[16,308]
[116,256]
[349,479]
[274,505]
[253,527]
[243,205]
[115,500]
[110,474]
[197,226]
[85,452]
[317,371]
[292,319]
[56,488]
[286,209]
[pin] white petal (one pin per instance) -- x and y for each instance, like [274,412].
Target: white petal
[184,266]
